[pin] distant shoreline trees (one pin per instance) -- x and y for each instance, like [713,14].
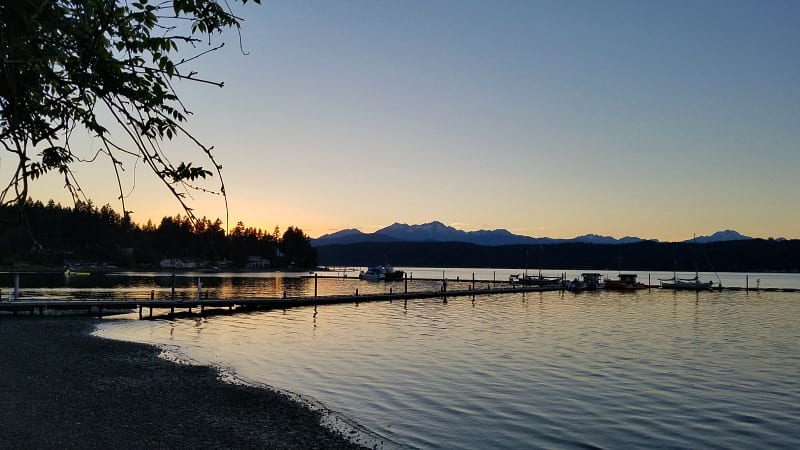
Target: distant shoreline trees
[752,255]
[101,235]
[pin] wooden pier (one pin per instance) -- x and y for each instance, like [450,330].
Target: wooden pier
[146,307]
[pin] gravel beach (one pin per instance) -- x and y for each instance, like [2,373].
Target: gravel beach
[60,387]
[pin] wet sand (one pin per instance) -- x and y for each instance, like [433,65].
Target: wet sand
[60,387]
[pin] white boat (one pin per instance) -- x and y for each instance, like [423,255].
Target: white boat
[381,273]
[534,280]
[686,284]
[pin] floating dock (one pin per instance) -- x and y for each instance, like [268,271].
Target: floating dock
[148,306]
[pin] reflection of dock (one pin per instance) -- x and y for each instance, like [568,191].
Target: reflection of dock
[99,307]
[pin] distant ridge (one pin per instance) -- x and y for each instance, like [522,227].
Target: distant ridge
[720,236]
[350,236]
[438,232]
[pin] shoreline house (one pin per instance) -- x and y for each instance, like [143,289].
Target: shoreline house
[257,262]
[177,263]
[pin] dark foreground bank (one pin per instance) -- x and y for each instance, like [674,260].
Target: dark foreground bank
[63,388]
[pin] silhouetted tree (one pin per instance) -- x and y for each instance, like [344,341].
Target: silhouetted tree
[85,232]
[97,65]
[296,248]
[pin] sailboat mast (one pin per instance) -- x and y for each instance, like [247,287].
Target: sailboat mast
[541,250]
[526,263]
[696,270]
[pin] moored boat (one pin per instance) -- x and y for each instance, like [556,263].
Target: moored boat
[534,280]
[624,282]
[686,284]
[74,273]
[381,273]
[589,281]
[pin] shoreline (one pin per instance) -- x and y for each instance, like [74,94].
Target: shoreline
[62,387]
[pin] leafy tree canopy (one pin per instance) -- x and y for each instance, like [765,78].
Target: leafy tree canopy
[97,65]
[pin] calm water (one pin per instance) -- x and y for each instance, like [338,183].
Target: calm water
[128,285]
[650,369]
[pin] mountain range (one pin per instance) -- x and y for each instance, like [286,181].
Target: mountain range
[438,232]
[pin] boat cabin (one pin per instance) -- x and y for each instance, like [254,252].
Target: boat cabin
[628,278]
[592,281]
[591,278]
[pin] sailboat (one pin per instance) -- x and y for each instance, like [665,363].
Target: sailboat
[687,284]
[535,280]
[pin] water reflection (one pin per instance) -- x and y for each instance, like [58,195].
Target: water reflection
[544,370]
[161,285]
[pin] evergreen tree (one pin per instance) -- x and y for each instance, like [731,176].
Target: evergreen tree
[297,249]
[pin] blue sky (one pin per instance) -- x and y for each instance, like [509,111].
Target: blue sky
[646,118]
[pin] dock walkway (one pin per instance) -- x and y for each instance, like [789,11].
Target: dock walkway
[99,307]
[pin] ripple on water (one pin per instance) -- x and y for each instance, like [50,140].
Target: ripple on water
[547,370]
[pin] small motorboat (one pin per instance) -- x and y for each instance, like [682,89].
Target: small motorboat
[381,273]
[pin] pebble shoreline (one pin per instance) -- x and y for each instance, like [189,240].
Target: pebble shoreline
[61,387]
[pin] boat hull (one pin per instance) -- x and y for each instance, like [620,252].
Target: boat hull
[397,275]
[688,286]
[539,281]
[614,285]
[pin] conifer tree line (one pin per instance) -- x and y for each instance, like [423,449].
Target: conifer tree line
[55,233]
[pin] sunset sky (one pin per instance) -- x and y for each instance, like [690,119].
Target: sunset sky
[547,118]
